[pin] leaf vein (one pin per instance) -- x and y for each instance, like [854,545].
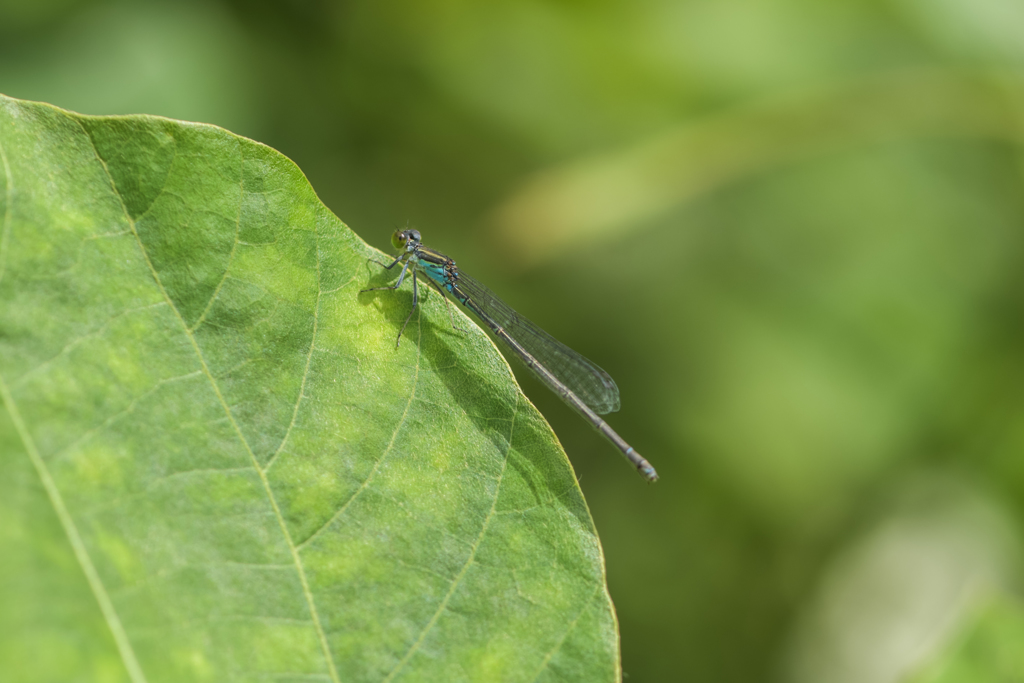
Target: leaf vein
[127,410]
[227,410]
[384,454]
[92,576]
[5,232]
[568,631]
[234,243]
[305,372]
[78,340]
[198,471]
[469,560]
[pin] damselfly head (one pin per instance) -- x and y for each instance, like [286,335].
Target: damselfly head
[405,239]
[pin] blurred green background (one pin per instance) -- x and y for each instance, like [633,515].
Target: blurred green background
[792,230]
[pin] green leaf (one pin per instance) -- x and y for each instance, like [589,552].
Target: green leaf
[988,650]
[609,194]
[215,465]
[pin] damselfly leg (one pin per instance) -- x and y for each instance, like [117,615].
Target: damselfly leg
[401,279]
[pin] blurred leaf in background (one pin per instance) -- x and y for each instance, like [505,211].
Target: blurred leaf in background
[988,649]
[133,58]
[791,230]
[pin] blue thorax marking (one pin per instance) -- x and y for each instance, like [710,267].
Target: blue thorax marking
[434,272]
[438,272]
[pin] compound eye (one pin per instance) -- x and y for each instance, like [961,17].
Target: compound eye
[398,239]
[414,235]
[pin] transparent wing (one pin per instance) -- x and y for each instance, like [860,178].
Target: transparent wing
[585,379]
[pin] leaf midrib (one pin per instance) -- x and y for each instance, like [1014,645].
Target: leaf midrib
[9,190]
[92,577]
[227,410]
[469,560]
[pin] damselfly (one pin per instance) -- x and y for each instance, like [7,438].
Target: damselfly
[581,384]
